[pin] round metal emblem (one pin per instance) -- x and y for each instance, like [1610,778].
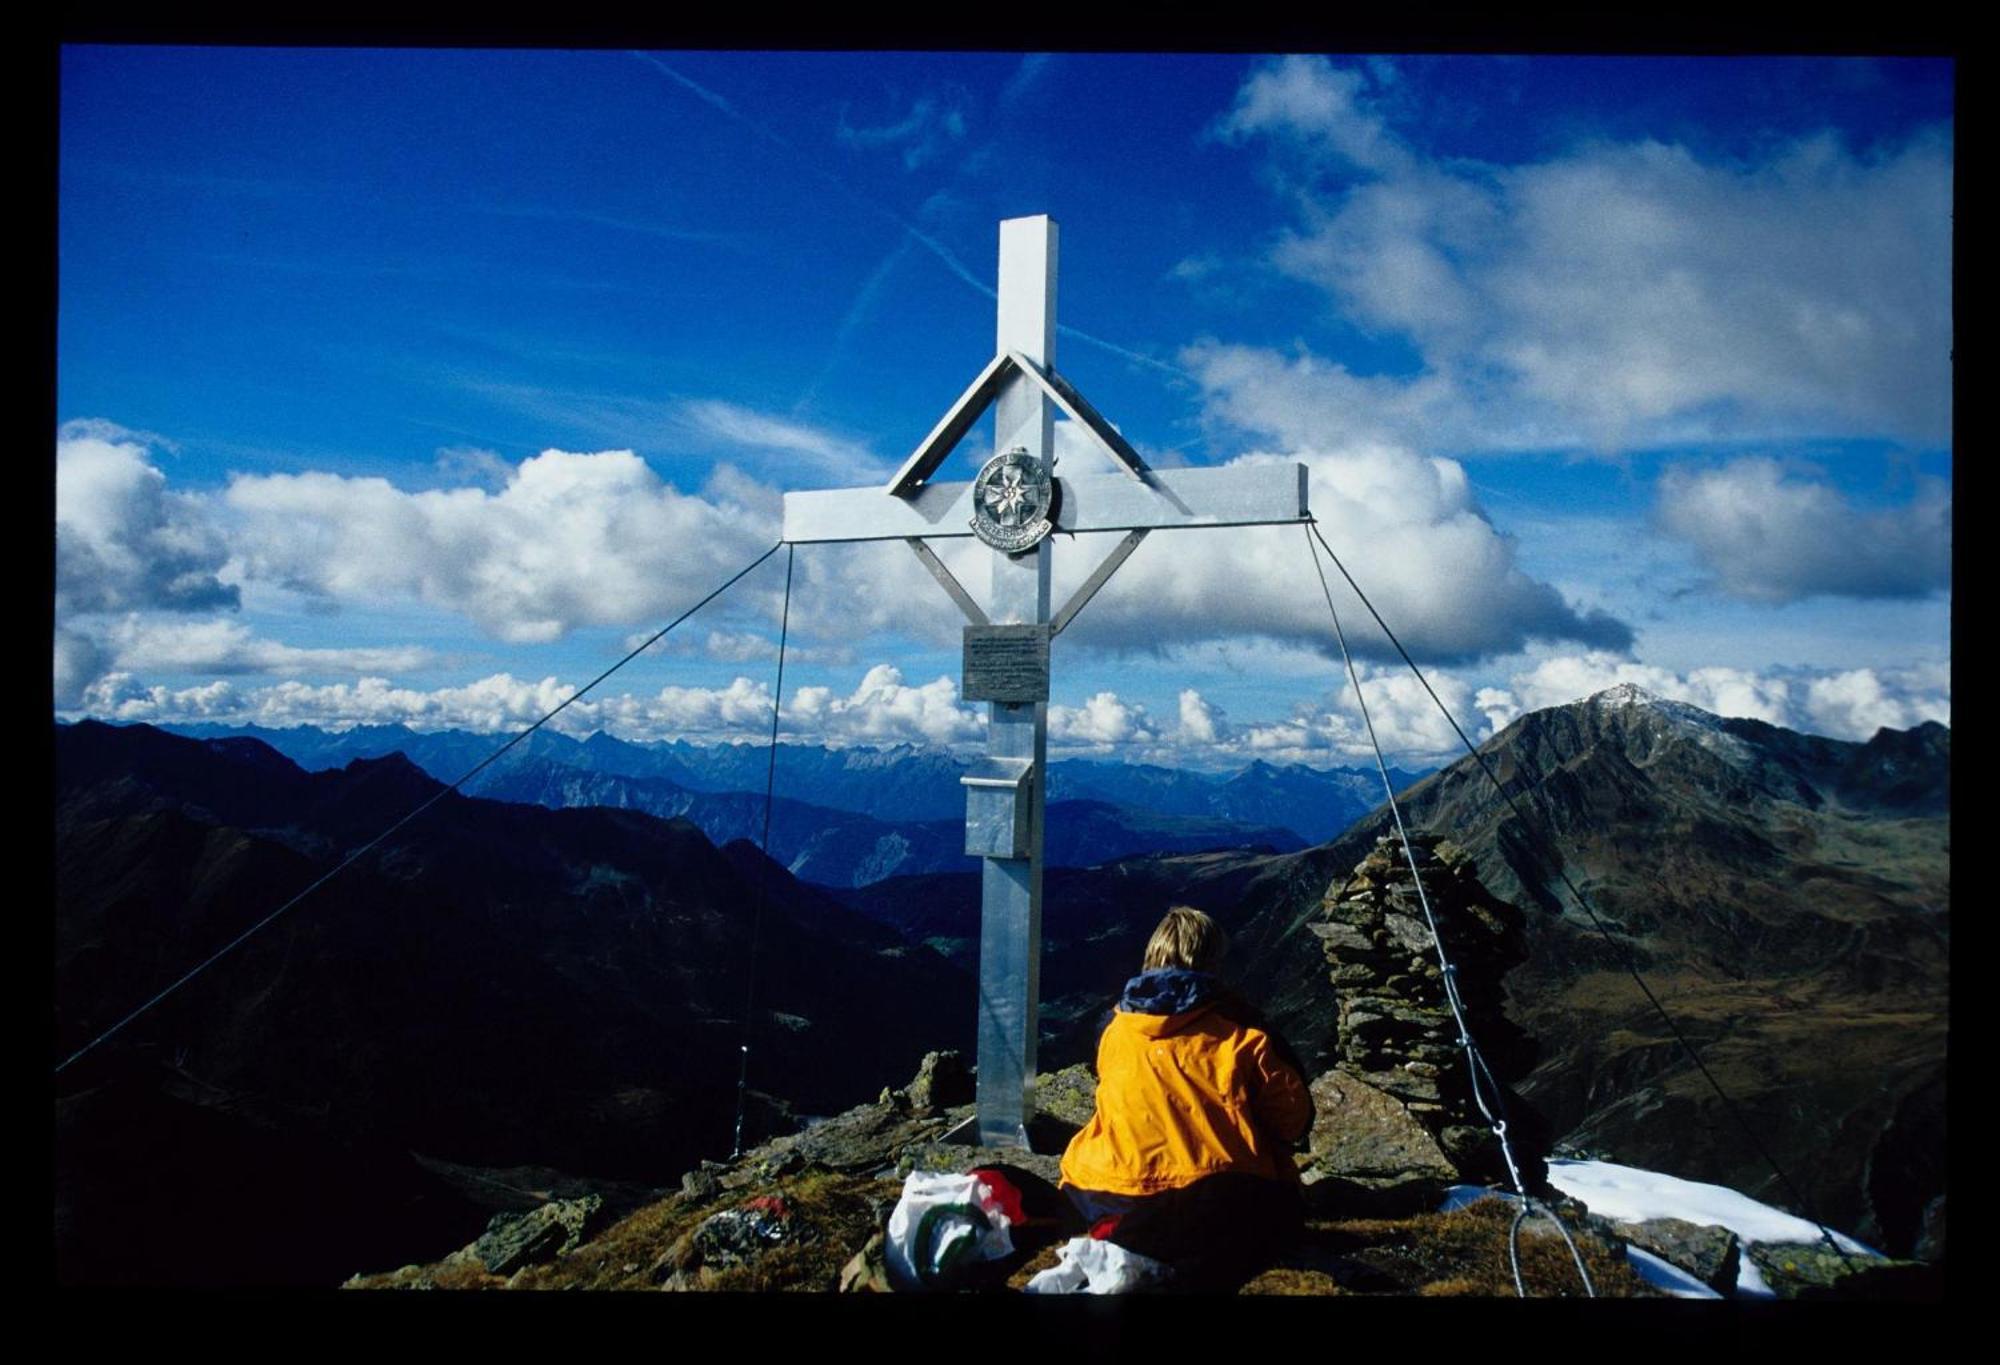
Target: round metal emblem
[1013,502]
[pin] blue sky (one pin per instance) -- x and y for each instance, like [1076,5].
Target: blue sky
[410,385]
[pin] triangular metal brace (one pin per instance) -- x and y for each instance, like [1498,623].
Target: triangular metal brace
[979,396]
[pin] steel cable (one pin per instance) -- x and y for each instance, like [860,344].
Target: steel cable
[435,797]
[1561,871]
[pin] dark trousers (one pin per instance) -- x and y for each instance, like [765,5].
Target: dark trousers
[1216,1233]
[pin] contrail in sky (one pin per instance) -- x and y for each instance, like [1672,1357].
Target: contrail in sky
[922,238]
[862,302]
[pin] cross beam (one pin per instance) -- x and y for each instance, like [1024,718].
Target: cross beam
[1246,495]
[1010,634]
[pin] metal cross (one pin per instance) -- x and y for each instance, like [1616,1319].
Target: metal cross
[1006,645]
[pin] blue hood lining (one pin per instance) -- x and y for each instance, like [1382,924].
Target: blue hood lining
[1169,990]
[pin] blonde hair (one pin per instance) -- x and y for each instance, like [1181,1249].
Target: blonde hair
[1185,938]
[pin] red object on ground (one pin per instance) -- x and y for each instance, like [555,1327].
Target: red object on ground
[1005,1193]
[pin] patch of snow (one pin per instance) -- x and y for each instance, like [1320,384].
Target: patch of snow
[1631,1195]
[1706,727]
[1458,1196]
[1665,1275]
[1627,1194]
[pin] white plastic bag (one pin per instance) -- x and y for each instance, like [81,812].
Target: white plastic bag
[1089,1265]
[943,1221]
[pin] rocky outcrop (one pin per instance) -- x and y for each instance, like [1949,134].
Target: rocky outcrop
[1711,1254]
[1398,1109]
[513,1240]
[1814,1270]
[1368,1153]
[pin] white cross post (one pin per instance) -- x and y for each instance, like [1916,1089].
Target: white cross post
[1006,647]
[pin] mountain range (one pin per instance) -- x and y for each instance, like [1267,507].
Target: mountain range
[502,987]
[908,801]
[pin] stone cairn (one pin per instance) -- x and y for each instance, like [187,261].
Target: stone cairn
[1397,1110]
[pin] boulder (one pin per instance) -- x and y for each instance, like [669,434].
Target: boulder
[943,1080]
[1814,1270]
[1710,1254]
[1364,1136]
[514,1240]
[700,1185]
[1069,1095]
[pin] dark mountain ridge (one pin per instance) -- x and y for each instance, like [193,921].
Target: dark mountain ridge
[497,985]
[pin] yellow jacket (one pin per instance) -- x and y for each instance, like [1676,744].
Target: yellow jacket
[1186,1095]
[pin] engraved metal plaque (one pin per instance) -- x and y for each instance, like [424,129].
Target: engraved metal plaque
[1006,663]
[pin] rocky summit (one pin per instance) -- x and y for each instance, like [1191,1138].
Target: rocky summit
[805,1212]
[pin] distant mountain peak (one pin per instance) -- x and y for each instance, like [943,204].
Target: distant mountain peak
[1625,694]
[1630,696]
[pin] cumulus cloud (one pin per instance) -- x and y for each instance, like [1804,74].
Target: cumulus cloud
[880,709]
[1626,290]
[885,709]
[1774,537]
[1857,703]
[79,661]
[1102,721]
[1850,704]
[571,540]
[1202,722]
[1409,530]
[123,539]
[1407,723]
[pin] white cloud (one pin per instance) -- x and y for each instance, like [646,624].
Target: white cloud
[123,540]
[1102,721]
[156,645]
[471,464]
[1309,99]
[497,703]
[1772,537]
[79,661]
[1849,705]
[572,540]
[1855,704]
[1626,291]
[802,449]
[122,698]
[1202,722]
[1571,677]
[883,709]
[1407,527]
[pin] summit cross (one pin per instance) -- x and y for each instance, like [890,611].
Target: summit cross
[1013,506]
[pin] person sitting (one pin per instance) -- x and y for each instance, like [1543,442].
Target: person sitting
[1187,1159]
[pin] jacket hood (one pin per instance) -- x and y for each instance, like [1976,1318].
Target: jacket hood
[1169,991]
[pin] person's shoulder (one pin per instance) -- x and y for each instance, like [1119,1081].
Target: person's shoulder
[1242,1015]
